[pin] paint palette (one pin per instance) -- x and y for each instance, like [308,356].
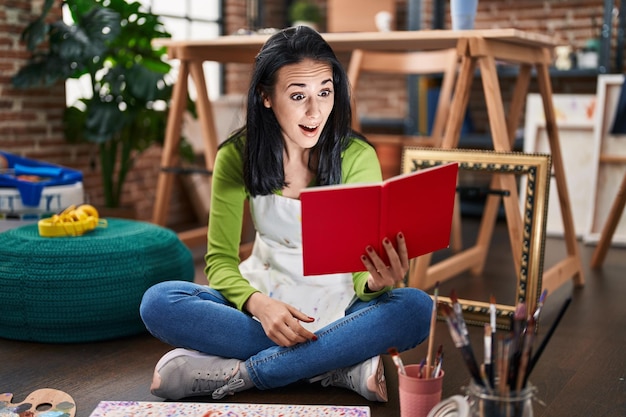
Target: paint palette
[44,402]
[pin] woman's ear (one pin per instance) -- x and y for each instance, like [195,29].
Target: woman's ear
[266,100]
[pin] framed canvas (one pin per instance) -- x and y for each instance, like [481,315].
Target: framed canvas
[524,284]
[609,157]
[575,118]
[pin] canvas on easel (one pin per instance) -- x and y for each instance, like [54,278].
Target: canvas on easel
[575,118]
[610,159]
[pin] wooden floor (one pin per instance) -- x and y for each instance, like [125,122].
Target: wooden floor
[581,373]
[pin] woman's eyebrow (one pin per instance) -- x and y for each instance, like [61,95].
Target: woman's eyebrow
[301,85]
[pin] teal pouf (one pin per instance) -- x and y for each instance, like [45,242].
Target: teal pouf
[84,288]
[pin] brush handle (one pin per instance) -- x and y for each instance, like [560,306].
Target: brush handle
[544,342]
[470,362]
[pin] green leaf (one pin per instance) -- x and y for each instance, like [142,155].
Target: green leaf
[68,43]
[42,71]
[104,120]
[142,83]
[79,8]
[101,25]
[35,33]
[156,65]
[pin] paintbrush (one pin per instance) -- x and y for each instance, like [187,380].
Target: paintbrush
[431,336]
[397,359]
[438,360]
[542,299]
[546,339]
[504,362]
[519,324]
[487,354]
[461,342]
[458,310]
[529,338]
[420,373]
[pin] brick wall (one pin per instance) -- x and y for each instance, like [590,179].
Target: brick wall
[31,126]
[26,117]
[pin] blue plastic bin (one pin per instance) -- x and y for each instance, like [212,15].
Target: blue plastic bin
[30,192]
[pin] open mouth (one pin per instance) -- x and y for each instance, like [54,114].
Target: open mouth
[309,129]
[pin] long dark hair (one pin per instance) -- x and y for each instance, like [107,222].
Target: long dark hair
[264,143]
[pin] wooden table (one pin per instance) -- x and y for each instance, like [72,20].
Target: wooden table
[476,48]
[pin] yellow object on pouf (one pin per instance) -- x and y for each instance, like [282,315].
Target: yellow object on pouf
[73,221]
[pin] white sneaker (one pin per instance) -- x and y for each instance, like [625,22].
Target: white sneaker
[185,373]
[366,378]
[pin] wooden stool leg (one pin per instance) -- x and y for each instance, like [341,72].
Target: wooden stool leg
[609,227]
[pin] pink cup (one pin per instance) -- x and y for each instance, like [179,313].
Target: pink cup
[418,395]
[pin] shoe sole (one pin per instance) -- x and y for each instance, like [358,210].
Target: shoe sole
[376,382]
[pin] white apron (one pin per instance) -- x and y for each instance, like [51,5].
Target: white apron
[275,265]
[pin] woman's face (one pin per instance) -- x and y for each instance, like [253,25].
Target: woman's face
[302,101]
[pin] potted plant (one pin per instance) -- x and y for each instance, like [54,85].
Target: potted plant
[305,13]
[111,43]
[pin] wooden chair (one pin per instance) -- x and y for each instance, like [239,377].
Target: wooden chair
[388,146]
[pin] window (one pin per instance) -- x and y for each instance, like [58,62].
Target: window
[183,19]
[193,19]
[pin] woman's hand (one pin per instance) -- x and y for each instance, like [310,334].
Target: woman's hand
[382,275]
[280,321]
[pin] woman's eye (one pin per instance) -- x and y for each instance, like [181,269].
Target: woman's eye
[325,93]
[297,96]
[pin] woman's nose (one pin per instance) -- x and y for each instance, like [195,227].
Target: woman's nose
[313,108]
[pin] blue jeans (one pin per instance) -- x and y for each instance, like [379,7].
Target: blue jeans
[193,316]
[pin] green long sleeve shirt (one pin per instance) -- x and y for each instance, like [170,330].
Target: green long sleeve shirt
[228,194]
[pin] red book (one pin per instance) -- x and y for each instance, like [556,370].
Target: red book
[340,221]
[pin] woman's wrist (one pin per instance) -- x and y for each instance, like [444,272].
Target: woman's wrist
[368,289]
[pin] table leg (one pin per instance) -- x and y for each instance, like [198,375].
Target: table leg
[170,146]
[460,100]
[205,114]
[518,101]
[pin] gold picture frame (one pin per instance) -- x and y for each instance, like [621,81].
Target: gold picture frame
[535,168]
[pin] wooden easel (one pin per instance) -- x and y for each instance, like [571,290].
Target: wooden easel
[476,48]
[483,53]
[617,208]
